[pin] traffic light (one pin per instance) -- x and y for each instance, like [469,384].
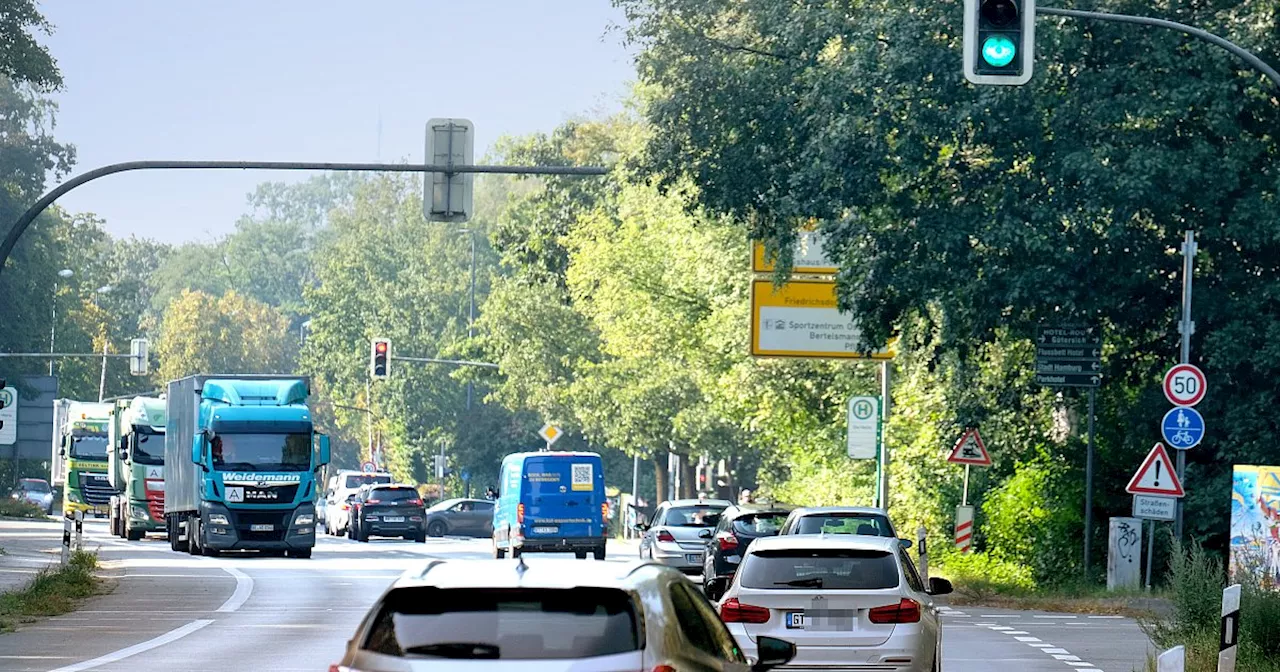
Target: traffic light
[380,359]
[999,41]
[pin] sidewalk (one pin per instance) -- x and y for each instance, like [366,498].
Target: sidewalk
[29,546]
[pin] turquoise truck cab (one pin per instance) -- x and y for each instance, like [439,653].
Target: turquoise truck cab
[241,455]
[551,502]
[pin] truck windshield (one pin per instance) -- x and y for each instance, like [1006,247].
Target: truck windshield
[148,449]
[262,452]
[89,446]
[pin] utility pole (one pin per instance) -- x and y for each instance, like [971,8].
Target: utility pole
[471,307]
[1186,327]
[882,487]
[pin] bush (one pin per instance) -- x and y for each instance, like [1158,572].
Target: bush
[981,574]
[19,508]
[1032,521]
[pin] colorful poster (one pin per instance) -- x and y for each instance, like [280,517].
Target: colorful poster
[1255,522]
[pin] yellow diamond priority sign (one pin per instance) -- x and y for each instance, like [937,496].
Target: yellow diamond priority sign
[550,433]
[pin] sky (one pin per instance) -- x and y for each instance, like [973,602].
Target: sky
[283,80]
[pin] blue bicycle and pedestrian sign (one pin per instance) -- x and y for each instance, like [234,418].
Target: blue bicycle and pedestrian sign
[1182,427]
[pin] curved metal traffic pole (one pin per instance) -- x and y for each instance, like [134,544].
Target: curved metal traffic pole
[1240,52]
[20,226]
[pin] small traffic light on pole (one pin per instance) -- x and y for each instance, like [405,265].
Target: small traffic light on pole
[999,41]
[380,359]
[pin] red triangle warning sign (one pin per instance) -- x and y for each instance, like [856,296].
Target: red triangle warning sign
[1156,476]
[970,450]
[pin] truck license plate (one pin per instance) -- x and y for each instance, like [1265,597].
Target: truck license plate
[262,528]
[545,530]
[393,519]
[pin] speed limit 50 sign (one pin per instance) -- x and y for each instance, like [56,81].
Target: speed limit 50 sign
[1184,385]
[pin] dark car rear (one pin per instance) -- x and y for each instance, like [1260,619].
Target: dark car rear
[389,511]
[737,528]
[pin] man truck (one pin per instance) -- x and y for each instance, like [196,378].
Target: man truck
[79,460]
[241,455]
[135,461]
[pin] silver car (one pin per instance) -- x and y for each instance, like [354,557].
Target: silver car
[677,535]
[35,491]
[861,520]
[850,602]
[550,614]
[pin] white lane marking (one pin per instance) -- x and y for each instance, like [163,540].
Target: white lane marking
[1056,618]
[1027,639]
[1001,616]
[1065,656]
[1000,628]
[1017,632]
[1109,618]
[115,656]
[1054,650]
[244,586]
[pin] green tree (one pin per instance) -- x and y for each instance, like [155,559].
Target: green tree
[22,58]
[233,333]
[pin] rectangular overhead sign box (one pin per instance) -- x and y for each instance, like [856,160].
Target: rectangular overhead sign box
[1149,507]
[800,319]
[808,256]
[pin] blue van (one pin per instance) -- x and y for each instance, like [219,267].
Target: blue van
[551,503]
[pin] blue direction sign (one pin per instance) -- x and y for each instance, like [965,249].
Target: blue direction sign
[1182,427]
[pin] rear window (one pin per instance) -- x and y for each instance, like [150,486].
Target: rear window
[831,569]
[845,523]
[759,523]
[357,480]
[393,494]
[693,516]
[505,624]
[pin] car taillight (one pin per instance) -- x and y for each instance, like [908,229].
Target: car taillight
[346,507]
[414,502]
[665,536]
[726,541]
[520,514]
[664,668]
[906,611]
[733,611]
[373,501]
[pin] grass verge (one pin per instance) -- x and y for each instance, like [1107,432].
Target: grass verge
[52,592]
[19,508]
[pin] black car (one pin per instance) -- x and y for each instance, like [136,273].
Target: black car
[387,511]
[739,525]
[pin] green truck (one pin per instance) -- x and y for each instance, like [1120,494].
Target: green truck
[136,467]
[79,460]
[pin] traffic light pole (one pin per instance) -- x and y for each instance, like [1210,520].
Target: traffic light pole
[20,226]
[1240,52]
[455,362]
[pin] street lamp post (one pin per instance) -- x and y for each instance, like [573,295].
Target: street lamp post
[53,314]
[106,340]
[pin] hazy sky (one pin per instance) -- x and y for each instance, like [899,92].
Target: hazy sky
[290,80]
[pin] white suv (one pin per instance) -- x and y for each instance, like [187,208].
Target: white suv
[844,600]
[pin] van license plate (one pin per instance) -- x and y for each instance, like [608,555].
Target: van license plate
[795,620]
[261,528]
[545,530]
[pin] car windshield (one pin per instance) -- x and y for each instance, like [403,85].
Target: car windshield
[261,452]
[867,524]
[35,486]
[693,516]
[356,480]
[833,569]
[505,624]
[88,446]
[759,524]
[148,448]
[392,495]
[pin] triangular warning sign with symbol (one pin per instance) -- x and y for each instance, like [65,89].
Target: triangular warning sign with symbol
[970,450]
[1156,476]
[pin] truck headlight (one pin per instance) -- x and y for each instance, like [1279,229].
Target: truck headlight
[74,496]
[140,514]
[218,519]
[304,519]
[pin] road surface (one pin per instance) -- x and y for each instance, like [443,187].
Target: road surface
[172,611]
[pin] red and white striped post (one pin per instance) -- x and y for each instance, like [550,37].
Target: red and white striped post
[964,529]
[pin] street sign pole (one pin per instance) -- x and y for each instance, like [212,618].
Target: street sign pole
[964,497]
[1186,328]
[1088,488]
[1151,551]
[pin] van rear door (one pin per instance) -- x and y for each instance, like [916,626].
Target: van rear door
[563,495]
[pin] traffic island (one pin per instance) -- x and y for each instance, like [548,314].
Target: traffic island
[54,591]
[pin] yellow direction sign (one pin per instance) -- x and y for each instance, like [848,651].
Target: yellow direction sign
[800,319]
[808,256]
[549,433]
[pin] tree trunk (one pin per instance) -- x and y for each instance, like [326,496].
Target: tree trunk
[660,478]
[688,480]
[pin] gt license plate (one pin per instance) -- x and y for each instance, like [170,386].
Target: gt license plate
[693,558]
[795,620]
[394,519]
[545,530]
[262,528]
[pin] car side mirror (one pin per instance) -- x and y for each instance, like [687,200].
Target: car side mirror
[939,586]
[124,455]
[323,458]
[906,543]
[641,527]
[772,653]
[62,452]
[716,586]
[704,534]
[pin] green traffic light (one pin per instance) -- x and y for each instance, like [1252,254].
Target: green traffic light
[998,51]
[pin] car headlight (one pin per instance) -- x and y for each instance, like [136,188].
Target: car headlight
[304,519]
[218,519]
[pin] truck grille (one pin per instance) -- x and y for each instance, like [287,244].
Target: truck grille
[252,494]
[155,505]
[95,488]
[245,520]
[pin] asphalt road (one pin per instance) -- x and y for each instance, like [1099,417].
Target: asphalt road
[171,611]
